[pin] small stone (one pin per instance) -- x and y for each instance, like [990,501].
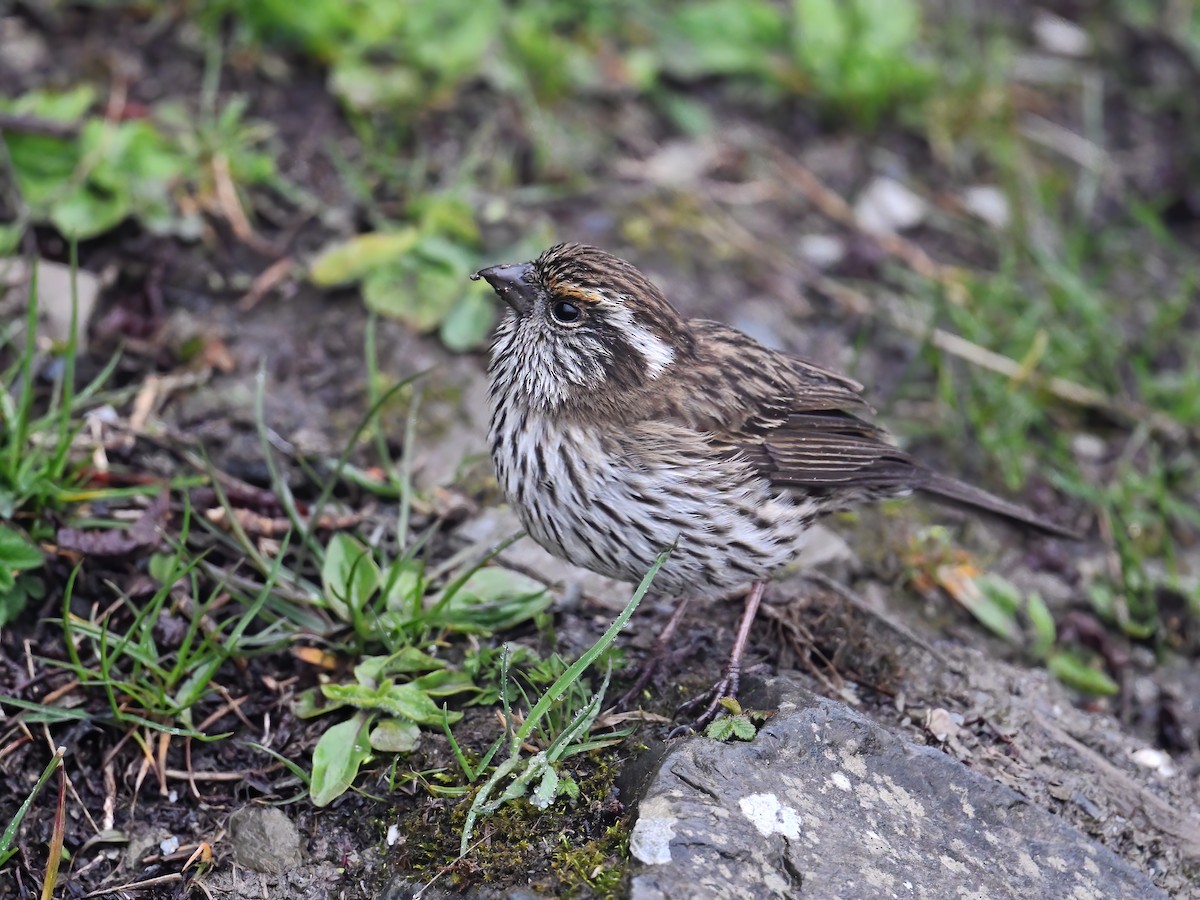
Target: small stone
[886,206]
[940,723]
[1058,35]
[1088,448]
[1156,760]
[821,250]
[676,164]
[54,296]
[988,203]
[264,839]
[823,546]
[23,51]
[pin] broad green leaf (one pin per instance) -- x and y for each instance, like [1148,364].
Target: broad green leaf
[492,599]
[90,210]
[370,87]
[348,261]
[1072,671]
[43,166]
[349,575]
[404,700]
[991,600]
[451,38]
[374,670]
[724,37]
[339,754]
[1042,620]
[10,240]
[454,218]
[469,323]
[16,551]
[311,703]
[62,106]
[445,682]
[403,583]
[720,729]
[743,728]
[420,299]
[395,736]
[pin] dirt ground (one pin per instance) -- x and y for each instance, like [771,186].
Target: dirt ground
[725,246]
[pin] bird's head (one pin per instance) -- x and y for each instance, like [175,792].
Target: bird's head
[583,328]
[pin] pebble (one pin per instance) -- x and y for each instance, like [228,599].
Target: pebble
[886,206]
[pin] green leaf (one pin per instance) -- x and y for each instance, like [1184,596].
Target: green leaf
[349,575]
[91,210]
[419,299]
[395,736]
[547,788]
[991,600]
[1072,671]
[724,37]
[720,729]
[62,106]
[349,261]
[403,585]
[743,728]
[405,700]
[444,683]
[491,599]
[374,670]
[311,703]
[469,323]
[10,238]
[1044,631]
[339,754]
[451,38]
[17,552]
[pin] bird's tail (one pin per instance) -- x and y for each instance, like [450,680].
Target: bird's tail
[957,492]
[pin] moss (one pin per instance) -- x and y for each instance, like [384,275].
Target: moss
[575,848]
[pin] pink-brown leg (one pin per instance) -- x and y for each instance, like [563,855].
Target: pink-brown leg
[727,686]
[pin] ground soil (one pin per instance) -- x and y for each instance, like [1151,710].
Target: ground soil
[720,260]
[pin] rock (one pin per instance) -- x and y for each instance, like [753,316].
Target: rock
[1060,36]
[826,803]
[988,203]
[264,839]
[821,250]
[22,51]
[886,206]
[54,296]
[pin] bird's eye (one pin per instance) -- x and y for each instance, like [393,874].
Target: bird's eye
[565,312]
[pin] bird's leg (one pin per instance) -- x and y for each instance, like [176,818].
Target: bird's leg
[662,648]
[727,686]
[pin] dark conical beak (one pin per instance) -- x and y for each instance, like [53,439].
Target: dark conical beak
[512,283]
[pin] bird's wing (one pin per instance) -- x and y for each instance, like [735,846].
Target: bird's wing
[796,423]
[802,427]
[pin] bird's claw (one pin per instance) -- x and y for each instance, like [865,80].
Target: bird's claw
[727,687]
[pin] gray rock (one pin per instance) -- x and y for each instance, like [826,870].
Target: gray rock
[826,803]
[264,839]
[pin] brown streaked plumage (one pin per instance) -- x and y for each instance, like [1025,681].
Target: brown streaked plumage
[619,427]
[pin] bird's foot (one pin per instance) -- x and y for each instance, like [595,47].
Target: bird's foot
[724,689]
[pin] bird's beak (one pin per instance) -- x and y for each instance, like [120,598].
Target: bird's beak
[512,283]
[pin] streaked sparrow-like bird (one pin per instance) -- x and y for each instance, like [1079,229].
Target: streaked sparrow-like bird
[620,428]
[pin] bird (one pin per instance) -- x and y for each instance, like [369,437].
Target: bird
[619,428]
